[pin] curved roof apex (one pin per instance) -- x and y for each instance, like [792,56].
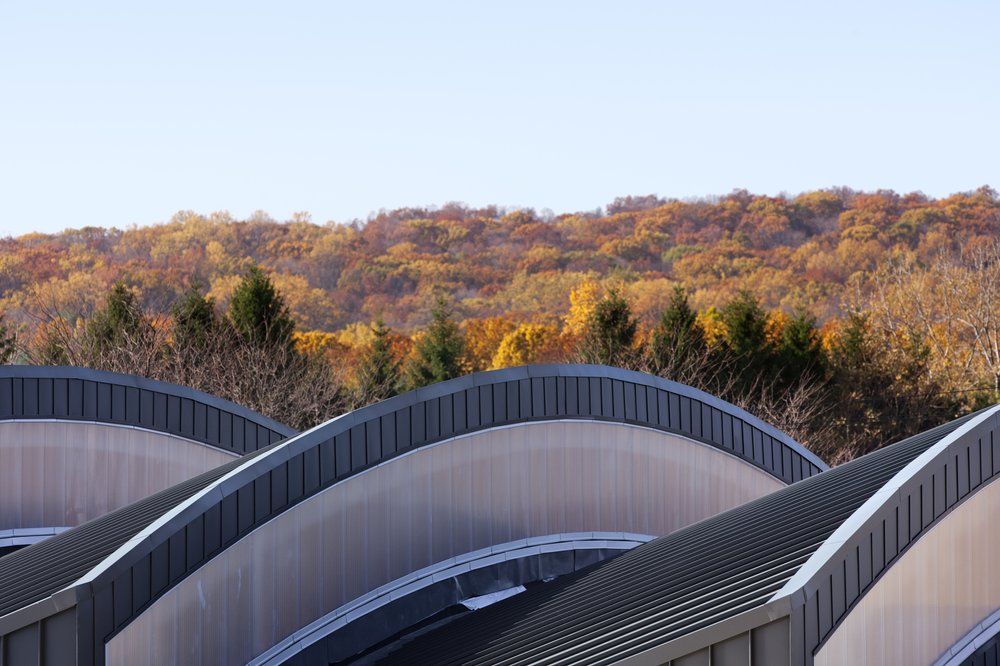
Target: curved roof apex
[913,473]
[82,394]
[874,537]
[549,370]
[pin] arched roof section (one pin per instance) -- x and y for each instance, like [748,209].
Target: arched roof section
[131,557]
[795,562]
[30,392]
[927,493]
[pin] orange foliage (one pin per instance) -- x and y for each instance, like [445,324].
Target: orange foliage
[809,250]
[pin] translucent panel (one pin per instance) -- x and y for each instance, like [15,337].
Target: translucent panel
[433,504]
[60,474]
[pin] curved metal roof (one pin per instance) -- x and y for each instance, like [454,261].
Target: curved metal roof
[107,562]
[31,392]
[689,580]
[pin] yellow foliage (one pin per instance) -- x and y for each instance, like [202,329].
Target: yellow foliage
[483,338]
[649,298]
[863,232]
[525,344]
[582,302]
[775,326]
[314,342]
[829,334]
[356,335]
[222,288]
[308,305]
[712,325]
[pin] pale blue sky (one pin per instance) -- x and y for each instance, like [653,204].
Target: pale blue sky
[114,114]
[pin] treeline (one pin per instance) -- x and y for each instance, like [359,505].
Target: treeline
[842,389]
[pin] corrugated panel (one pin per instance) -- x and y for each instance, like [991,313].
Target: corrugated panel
[671,586]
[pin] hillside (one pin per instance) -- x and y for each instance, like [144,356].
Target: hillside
[801,252]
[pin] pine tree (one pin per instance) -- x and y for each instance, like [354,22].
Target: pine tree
[120,337]
[746,340]
[197,336]
[746,325]
[882,392]
[610,333]
[678,343]
[438,354]
[7,343]
[194,320]
[51,352]
[799,352]
[258,312]
[378,372]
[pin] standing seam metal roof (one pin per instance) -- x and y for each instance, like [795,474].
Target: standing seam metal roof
[673,585]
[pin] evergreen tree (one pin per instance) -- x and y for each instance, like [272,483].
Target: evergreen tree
[7,343]
[746,325]
[49,346]
[610,333]
[197,337]
[746,341]
[678,343]
[119,335]
[51,352]
[799,352]
[438,354]
[378,372]
[194,320]
[258,312]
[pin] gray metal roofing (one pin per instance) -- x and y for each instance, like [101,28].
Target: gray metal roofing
[36,572]
[345,446]
[83,394]
[673,585]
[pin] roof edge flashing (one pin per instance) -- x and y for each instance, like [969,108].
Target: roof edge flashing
[829,549]
[241,473]
[974,639]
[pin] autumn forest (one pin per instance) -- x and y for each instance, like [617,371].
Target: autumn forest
[849,319]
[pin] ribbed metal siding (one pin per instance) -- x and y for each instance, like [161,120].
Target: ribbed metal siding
[33,573]
[923,500]
[538,399]
[76,397]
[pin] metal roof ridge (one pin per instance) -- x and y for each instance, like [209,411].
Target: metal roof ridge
[832,545]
